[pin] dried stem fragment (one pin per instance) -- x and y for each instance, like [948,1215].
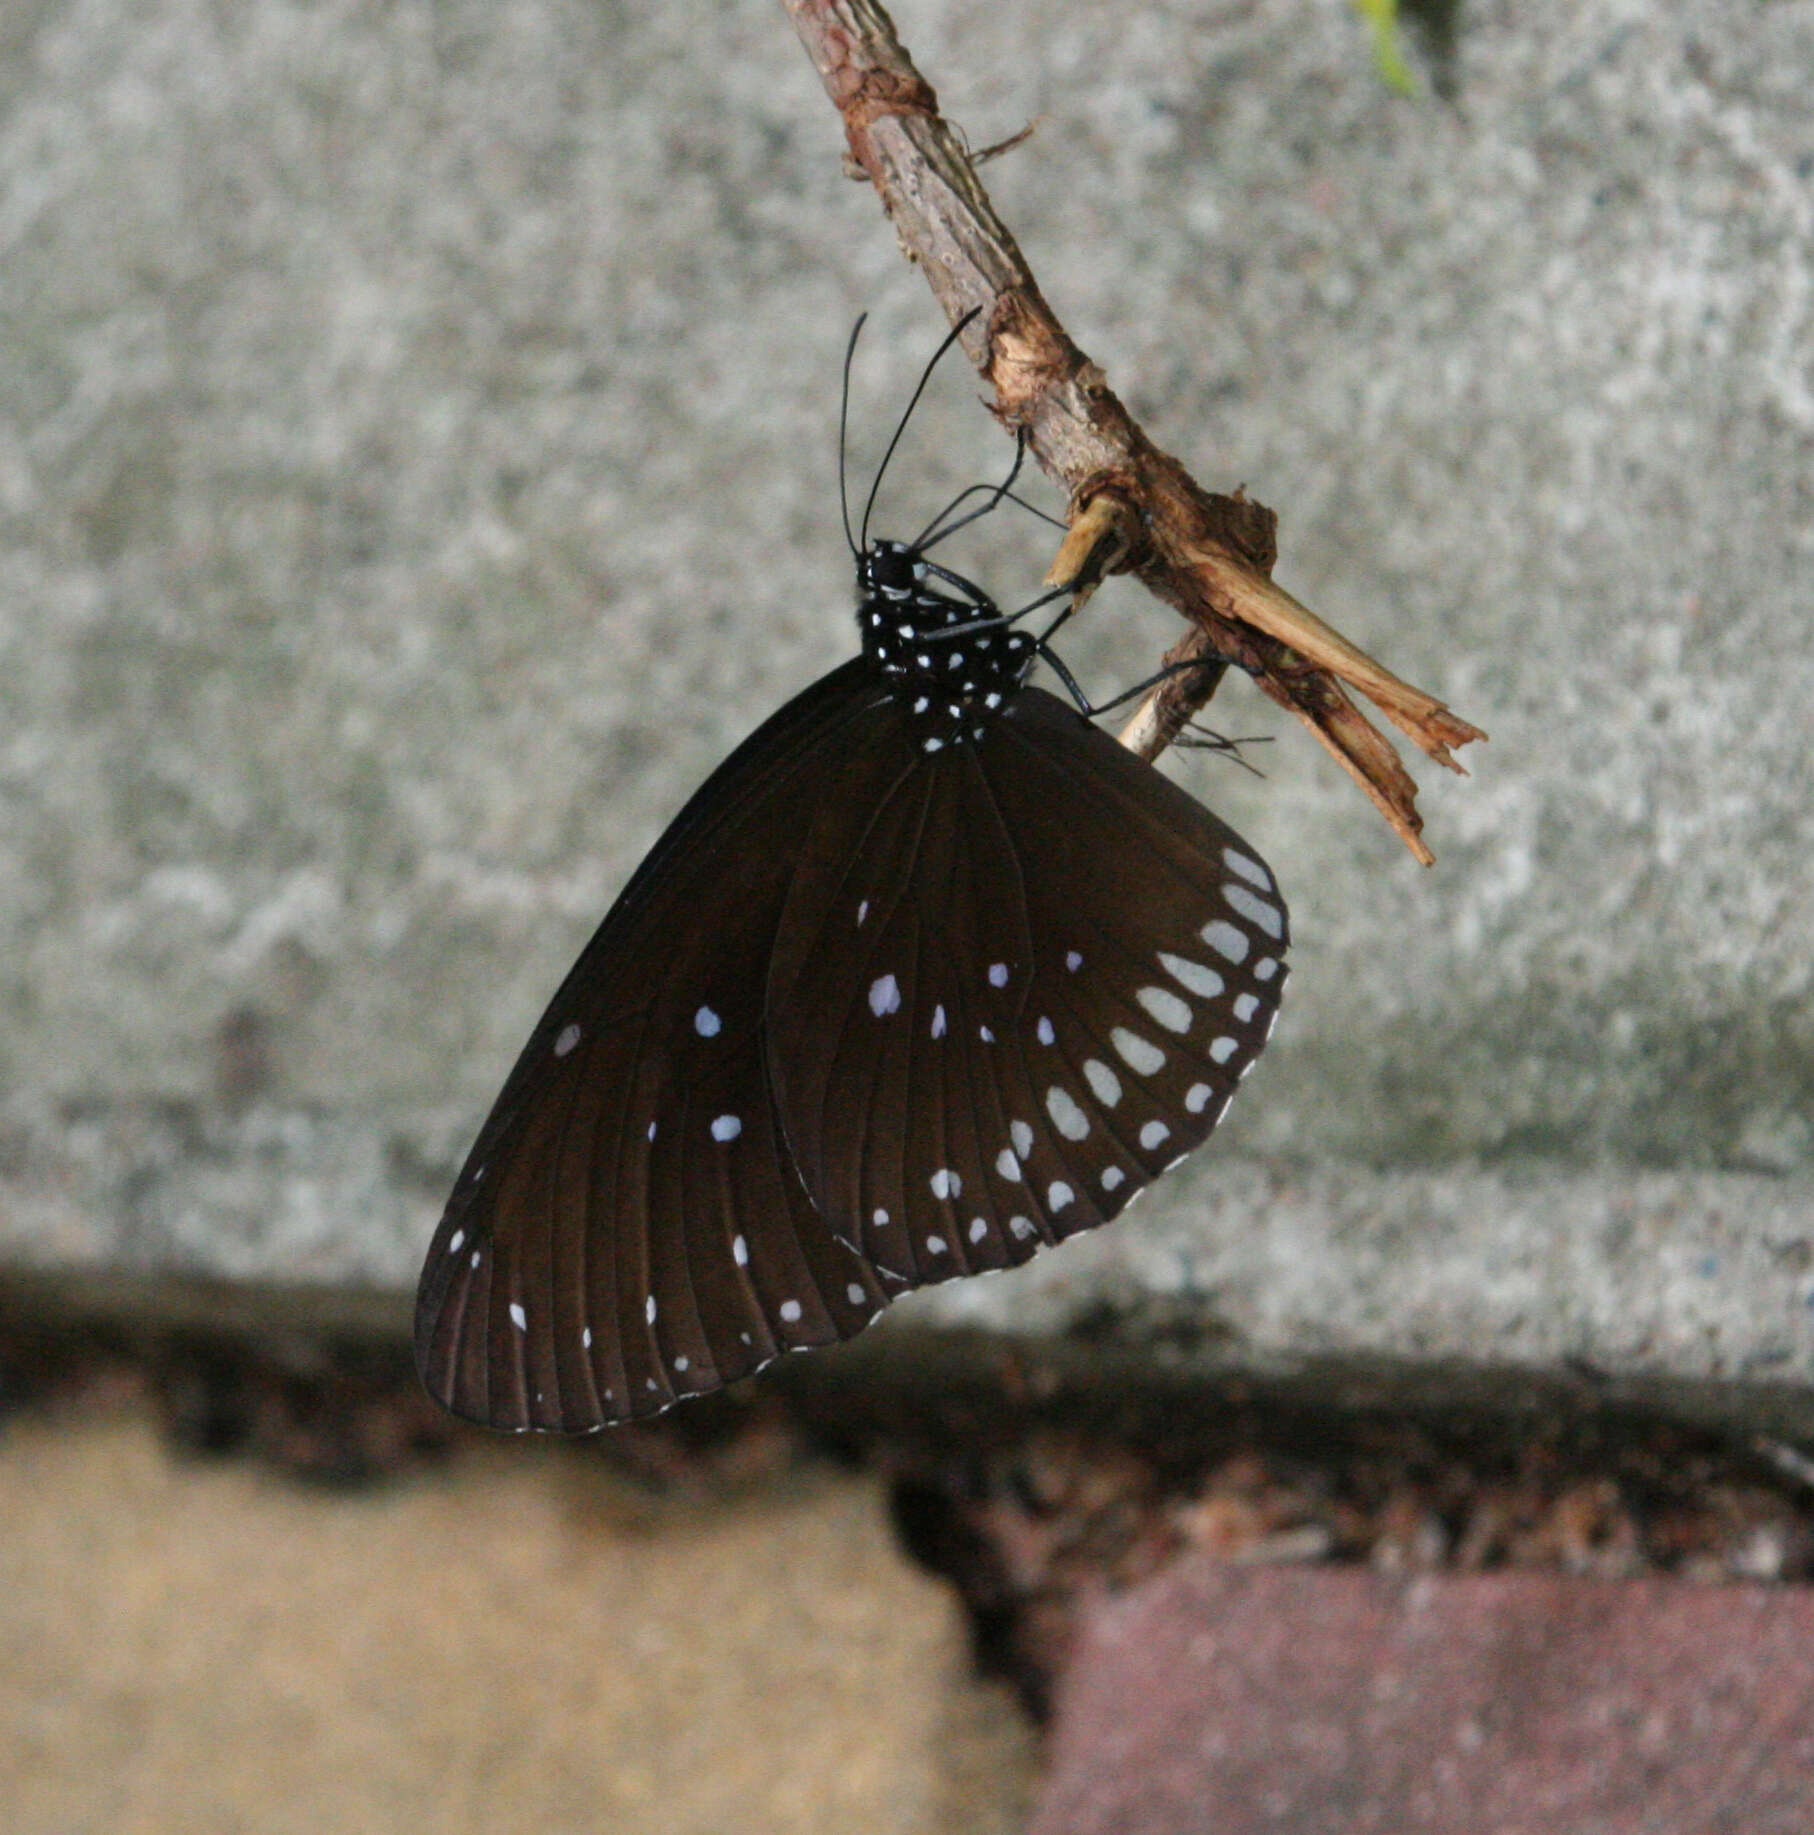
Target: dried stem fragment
[1207,555]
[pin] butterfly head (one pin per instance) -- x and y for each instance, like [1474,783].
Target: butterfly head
[889,570]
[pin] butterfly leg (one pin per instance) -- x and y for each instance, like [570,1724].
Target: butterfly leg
[1091,711]
[1152,681]
[974,596]
[933,534]
[996,621]
[1065,676]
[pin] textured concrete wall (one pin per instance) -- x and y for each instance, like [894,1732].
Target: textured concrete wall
[416,469]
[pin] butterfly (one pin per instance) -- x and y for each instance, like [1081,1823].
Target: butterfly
[930,973]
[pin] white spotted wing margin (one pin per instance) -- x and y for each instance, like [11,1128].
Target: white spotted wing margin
[629,1228]
[1032,990]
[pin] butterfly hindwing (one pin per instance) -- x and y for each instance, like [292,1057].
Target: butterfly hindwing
[1165,939]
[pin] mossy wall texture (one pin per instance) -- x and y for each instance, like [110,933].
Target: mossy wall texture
[416,468]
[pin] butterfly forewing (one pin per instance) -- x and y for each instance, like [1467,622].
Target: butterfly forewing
[628,1228]
[1164,948]
[1032,989]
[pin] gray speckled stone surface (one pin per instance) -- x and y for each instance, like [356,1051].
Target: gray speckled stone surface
[416,470]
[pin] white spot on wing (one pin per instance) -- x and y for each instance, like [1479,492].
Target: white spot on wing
[1112,1178]
[740,1252]
[881,1217]
[935,1245]
[706,1023]
[1196,1098]
[1007,1165]
[855,1294]
[518,1317]
[1153,1133]
[790,1312]
[568,1039]
[1224,939]
[1073,961]
[1165,1006]
[727,1128]
[1246,1006]
[1020,1228]
[1265,968]
[998,974]
[454,1242]
[1103,1081]
[1043,1031]
[946,1183]
[1058,1195]
[1137,1053]
[1200,980]
[1022,1137]
[1256,910]
[884,996]
[1250,870]
[648,1311]
[862,911]
[979,1228]
[1221,1050]
[1067,1117]
[938,1021]
[585,1339]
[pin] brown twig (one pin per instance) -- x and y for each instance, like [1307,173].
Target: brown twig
[1133,507]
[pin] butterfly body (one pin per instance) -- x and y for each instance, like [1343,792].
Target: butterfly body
[928,974]
[949,662]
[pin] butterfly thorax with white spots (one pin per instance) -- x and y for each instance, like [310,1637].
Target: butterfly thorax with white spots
[952,663]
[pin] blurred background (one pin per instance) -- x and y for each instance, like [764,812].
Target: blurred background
[418,468]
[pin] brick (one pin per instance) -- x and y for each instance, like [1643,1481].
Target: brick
[1215,1700]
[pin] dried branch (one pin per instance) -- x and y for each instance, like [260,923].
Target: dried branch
[1133,507]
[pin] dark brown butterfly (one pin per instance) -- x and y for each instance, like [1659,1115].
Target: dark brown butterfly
[929,973]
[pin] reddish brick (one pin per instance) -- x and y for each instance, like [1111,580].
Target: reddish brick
[1216,1700]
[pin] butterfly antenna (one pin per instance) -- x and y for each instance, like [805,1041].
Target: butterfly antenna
[950,338]
[850,351]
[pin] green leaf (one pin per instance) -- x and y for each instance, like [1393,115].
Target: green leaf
[1388,57]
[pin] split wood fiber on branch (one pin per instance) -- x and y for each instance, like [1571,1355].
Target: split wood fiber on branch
[1133,507]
